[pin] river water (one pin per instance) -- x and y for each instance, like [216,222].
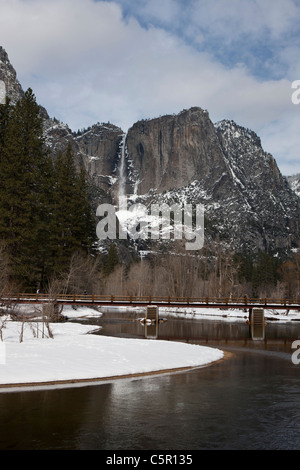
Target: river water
[249,400]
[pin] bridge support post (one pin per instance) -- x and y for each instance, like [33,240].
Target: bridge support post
[257,324]
[152,313]
[250,314]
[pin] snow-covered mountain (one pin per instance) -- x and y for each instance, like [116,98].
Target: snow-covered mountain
[249,205]
[294,182]
[8,75]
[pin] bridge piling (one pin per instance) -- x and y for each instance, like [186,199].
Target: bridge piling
[152,313]
[257,324]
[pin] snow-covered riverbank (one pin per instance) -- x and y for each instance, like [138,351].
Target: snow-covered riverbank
[282,315]
[75,355]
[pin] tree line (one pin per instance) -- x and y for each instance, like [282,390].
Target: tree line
[220,273]
[212,273]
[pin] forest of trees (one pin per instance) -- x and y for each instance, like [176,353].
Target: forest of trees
[222,274]
[48,233]
[45,212]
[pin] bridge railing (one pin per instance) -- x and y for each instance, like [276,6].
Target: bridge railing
[146,299]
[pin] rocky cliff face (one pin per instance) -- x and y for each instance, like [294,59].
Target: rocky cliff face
[172,151]
[264,201]
[100,150]
[249,205]
[97,149]
[294,182]
[8,75]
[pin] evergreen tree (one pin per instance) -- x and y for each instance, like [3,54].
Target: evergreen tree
[73,224]
[244,264]
[45,210]
[112,260]
[85,219]
[265,272]
[5,112]
[24,168]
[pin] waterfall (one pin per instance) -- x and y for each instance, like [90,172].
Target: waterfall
[123,173]
[122,170]
[136,187]
[122,211]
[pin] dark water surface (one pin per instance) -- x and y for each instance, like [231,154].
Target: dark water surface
[250,400]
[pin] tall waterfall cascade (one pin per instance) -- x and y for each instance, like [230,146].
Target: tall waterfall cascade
[122,170]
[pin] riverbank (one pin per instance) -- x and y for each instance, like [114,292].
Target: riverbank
[72,355]
[282,315]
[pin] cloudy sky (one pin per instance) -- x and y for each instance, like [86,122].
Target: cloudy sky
[91,61]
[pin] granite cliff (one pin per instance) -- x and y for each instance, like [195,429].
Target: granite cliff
[294,182]
[172,151]
[8,75]
[249,205]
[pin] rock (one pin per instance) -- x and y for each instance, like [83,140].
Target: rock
[100,150]
[8,75]
[249,206]
[294,183]
[173,151]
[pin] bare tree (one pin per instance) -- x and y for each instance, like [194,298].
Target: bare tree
[80,275]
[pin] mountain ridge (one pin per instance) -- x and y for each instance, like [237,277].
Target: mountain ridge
[249,204]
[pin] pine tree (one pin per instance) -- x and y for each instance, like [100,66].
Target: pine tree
[85,219]
[45,211]
[112,260]
[5,112]
[73,224]
[24,168]
[265,272]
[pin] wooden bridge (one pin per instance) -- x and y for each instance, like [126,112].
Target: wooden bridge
[169,301]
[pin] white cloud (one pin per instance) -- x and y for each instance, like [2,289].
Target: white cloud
[233,18]
[87,63]
[281,138]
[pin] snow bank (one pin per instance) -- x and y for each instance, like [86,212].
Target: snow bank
[73,354]
[227,314]
[282,315]
[69,311]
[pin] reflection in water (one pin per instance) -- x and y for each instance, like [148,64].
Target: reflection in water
[151,331]
[257,322]
[248,401]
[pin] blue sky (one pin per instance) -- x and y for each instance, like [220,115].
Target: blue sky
[123,60]
[248,32]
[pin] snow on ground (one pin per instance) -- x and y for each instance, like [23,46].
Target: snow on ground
[228,314]
[189,313]
[74,354]
[82,312]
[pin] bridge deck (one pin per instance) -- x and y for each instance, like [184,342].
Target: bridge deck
[142,301]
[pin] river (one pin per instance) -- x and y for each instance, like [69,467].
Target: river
[249,400]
